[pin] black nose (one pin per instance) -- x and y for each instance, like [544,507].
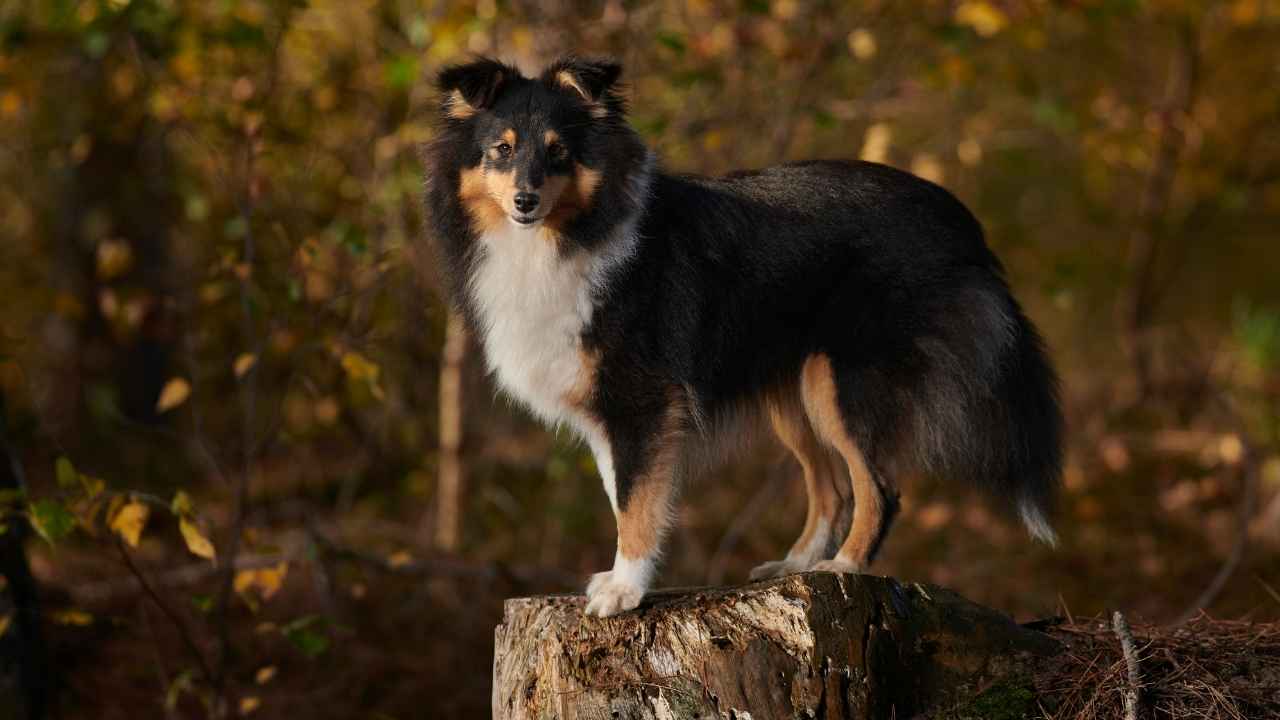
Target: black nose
[526,201]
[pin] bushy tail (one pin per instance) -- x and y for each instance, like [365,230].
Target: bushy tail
[991,412]
[1034,431]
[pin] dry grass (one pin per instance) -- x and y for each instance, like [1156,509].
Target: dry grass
[1204,669]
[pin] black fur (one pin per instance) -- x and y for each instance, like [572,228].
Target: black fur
[735,281]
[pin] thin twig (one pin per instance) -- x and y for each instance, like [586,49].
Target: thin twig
[1133,692]
[1249,470]
[178,622]
[746,519]
[444,565]
[247,203]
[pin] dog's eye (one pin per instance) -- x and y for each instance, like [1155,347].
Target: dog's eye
[504,150]
[557,151]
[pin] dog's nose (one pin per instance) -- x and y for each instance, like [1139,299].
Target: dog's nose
[526,201]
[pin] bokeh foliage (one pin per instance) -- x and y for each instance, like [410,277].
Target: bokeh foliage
[217,202]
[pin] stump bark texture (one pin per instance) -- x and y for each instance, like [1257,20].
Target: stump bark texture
[816,645]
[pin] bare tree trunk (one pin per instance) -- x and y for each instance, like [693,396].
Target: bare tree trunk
[451,469]
[25,678]
[816,645]
[1137,303]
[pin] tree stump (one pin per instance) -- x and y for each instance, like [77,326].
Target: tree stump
[816,645]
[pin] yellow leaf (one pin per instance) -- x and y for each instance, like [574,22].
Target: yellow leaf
[197,543]
[181,504]
[174,393]
[358,367]
[399,559]
[114,504]
[115,257]
[264,675]
[243,580]
[361,369]
[5,620]
[244,363]
[249,704]
[862,43]
[73,617]
[93,486]
[267,581]
[985,19]
[270,579]
[129,522]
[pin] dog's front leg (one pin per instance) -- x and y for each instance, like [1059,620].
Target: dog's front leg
[640,476]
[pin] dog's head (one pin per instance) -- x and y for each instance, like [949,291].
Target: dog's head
[537,147]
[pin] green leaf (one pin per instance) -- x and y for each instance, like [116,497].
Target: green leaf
[402,72]
[203,602]
[305,635]
[672,41]
[51,519]
[66,473]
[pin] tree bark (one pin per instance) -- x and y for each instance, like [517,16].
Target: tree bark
[24,669]
[452,471]
[816,645]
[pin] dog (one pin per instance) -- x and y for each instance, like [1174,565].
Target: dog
[853,308]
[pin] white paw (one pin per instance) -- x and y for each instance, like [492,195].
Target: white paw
[837,565]
[778,568]
[609,595]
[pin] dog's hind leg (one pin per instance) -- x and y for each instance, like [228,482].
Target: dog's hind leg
[826,506]
[875,502]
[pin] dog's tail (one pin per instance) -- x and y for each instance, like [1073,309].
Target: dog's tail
[991,413]
[1034,432]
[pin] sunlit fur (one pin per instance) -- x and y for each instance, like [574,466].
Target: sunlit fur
[852,307]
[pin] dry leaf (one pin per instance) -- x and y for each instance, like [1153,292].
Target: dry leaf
[399,559]
[73,617]
[5,620]
[175,392]
[197,543]
[264,675]
[270,579]
[985,18]
[129,522]
[249,704]
[243,364]
[181,503]
[267,581]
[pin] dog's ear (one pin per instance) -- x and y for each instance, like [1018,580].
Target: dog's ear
[467,89]
[593,79]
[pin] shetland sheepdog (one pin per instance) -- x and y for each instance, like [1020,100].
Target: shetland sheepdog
[853,308]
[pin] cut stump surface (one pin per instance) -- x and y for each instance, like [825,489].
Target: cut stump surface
[815,645]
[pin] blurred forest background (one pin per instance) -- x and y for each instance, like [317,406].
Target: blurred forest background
[241,490]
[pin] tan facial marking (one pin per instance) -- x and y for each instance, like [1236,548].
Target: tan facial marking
[509,136]
[570,194]
[483,194]
[550,136]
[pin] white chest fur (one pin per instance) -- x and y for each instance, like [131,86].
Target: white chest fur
[533,306]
